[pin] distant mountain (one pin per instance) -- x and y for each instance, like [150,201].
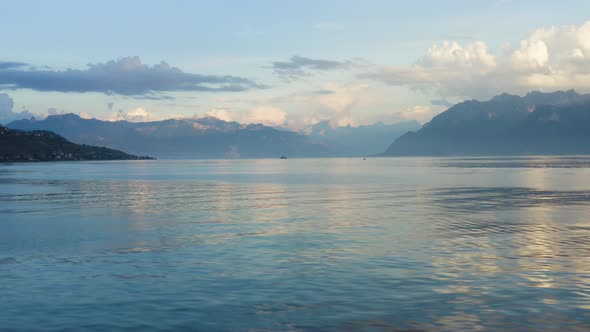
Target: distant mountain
[538,123]
[207,137]
[361,140]
[18,145]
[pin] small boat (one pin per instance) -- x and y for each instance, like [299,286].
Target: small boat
[283,157]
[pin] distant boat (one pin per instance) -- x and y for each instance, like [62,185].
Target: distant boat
[283,157]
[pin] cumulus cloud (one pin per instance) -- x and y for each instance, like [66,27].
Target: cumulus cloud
[337,106]
[449,68]
[549,58]
[267,115]
[138,114]
[221,114]
[340,104]
[7,112]
[125,76]
[297,67]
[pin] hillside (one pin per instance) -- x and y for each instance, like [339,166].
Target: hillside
[18,145]
[538,123]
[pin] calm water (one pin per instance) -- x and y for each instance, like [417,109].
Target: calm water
[299,245]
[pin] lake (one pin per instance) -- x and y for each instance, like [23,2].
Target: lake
[383,244]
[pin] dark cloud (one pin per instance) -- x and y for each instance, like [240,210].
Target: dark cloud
[155,97]
[125,76]
[6,110]
[11,64]
[298,66]
[323,92]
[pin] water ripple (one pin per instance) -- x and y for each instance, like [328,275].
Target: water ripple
[307,245]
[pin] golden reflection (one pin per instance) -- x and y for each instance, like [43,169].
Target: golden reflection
[537,178]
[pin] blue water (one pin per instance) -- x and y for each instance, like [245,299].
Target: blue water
[386,244]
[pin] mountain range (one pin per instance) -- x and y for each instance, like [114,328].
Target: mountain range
[209,137]
[19,145]
[206,137]
[537,123]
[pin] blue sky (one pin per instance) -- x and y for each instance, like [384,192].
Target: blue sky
[288,63]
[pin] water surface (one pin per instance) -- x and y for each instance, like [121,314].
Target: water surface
[432,244]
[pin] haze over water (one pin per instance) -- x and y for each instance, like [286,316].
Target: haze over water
[300,244]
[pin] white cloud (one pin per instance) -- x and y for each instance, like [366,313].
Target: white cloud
[267,115]
[221,114]
[532,55]
[339,103]
[7,112]
[548,58]
[475,55]
[138,114]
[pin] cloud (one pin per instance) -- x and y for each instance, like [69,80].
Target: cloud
[448,67]
[549,58]
[7,113]
[11,64]
[267,115]
[297,67]
[155,97]
[85,115]
[138,114]
[421,114]
[339,103]
[221,114]
[125,76]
